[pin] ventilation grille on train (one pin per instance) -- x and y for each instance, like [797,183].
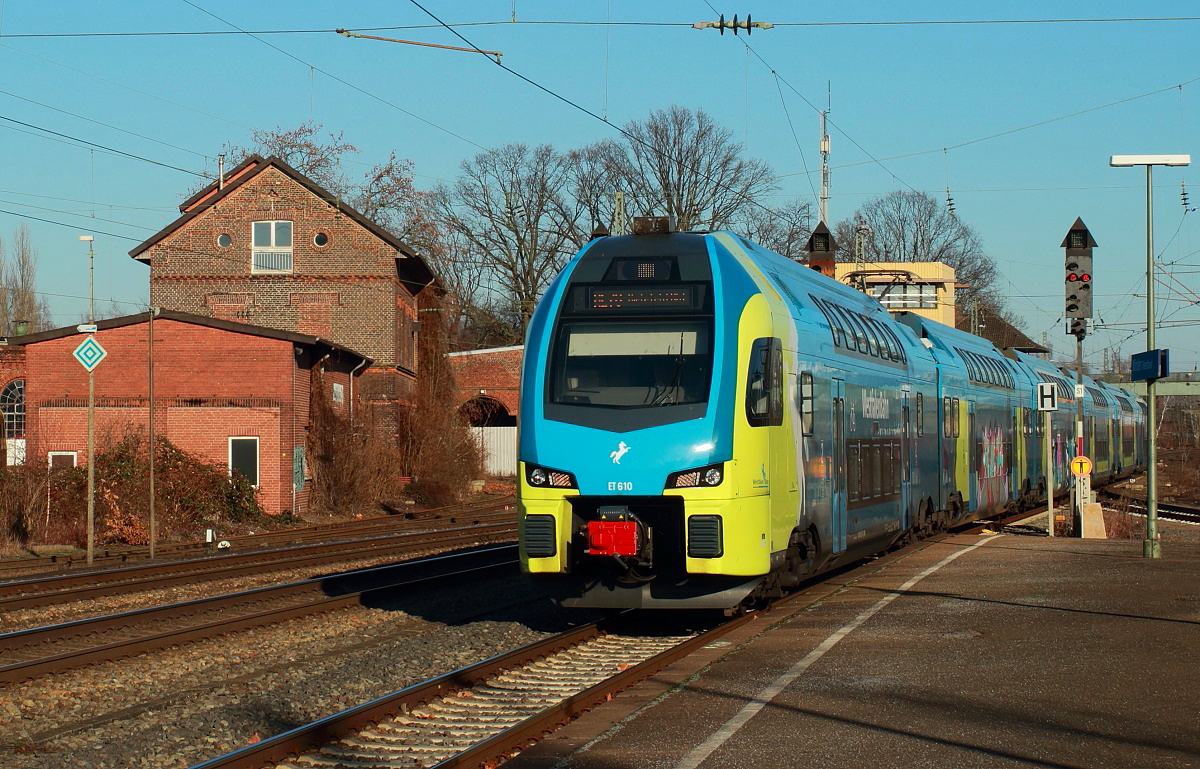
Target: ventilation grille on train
[704,537]
[540,537]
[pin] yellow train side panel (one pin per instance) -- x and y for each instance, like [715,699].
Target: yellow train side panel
[542,501]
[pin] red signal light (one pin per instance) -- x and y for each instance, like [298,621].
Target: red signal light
[1072,277]
[1085,277]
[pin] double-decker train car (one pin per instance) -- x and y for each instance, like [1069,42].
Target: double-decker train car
[705,423]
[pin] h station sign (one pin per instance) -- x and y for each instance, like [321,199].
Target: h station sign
[1047,396]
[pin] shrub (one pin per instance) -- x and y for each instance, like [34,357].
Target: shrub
[44,506]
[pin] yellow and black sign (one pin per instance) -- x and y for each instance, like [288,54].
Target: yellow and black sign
[1081,466]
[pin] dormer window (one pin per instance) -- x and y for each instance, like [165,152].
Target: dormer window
[272,252]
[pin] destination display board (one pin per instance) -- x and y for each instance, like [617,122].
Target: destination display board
[647,298]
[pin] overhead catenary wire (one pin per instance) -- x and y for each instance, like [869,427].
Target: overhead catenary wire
[101,147]
[610,23]
[343,81]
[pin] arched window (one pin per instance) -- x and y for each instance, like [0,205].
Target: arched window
[12,406]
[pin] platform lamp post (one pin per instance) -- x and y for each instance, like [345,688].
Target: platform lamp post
[1151,547]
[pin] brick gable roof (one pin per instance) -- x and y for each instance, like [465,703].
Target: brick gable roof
[199,320]
[411,269]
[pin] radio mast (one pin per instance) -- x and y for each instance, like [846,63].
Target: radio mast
[825,165]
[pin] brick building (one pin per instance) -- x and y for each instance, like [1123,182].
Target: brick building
[268,246]
[489,397]
[234,394]
[12,405]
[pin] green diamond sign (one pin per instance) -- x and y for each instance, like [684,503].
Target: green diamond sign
[90,353]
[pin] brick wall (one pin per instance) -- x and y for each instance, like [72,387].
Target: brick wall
[346,291]
[494,374]
[210,384]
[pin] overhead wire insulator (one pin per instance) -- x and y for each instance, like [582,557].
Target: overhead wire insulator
[949,202]
[1183,196]
[721,24]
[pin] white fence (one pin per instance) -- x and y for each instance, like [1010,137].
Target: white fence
[499,446]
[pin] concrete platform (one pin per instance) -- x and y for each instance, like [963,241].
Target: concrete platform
[985,651]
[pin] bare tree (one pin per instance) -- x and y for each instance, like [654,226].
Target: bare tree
[680,162]
[303,148]
[385,193]
[387,197]
[593,186]
[906,226]
[510,210]
[784,231]
[19,298]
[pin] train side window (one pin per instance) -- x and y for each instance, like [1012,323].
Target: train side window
[920,415]
[806,403]
[841,335]
[860,336]
[877,470]
[954,418]
[873,344]
[975,368]
[852,468]
[897,349]
[885,341]
[997,372]
[836,332]
[764,385]
[946,417]
[993,371]
[984,372]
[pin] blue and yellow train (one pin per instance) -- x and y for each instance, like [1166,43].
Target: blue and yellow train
[704,423]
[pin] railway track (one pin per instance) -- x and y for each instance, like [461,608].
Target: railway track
[341,531]
[26,654]
[1169,510]
[63,588]
[480,713]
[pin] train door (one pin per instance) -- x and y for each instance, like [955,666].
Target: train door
[838,509]
[905,458]
[975,444]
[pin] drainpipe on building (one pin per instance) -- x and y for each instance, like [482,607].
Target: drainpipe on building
[350,400]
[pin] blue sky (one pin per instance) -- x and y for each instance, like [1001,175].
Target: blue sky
[1017,119]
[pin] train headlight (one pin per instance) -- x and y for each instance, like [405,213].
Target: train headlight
[546,477]
[709,475]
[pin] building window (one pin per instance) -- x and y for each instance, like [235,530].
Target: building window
[62,459]
[321,239]
[12,406]
[339,392]
[243,458]
[896,296]
[224,240]
[272,252]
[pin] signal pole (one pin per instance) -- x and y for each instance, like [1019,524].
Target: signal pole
[1079,244]
[91,419]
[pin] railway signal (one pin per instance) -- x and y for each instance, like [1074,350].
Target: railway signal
[1079,244]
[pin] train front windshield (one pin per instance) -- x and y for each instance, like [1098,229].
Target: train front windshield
[631,364]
